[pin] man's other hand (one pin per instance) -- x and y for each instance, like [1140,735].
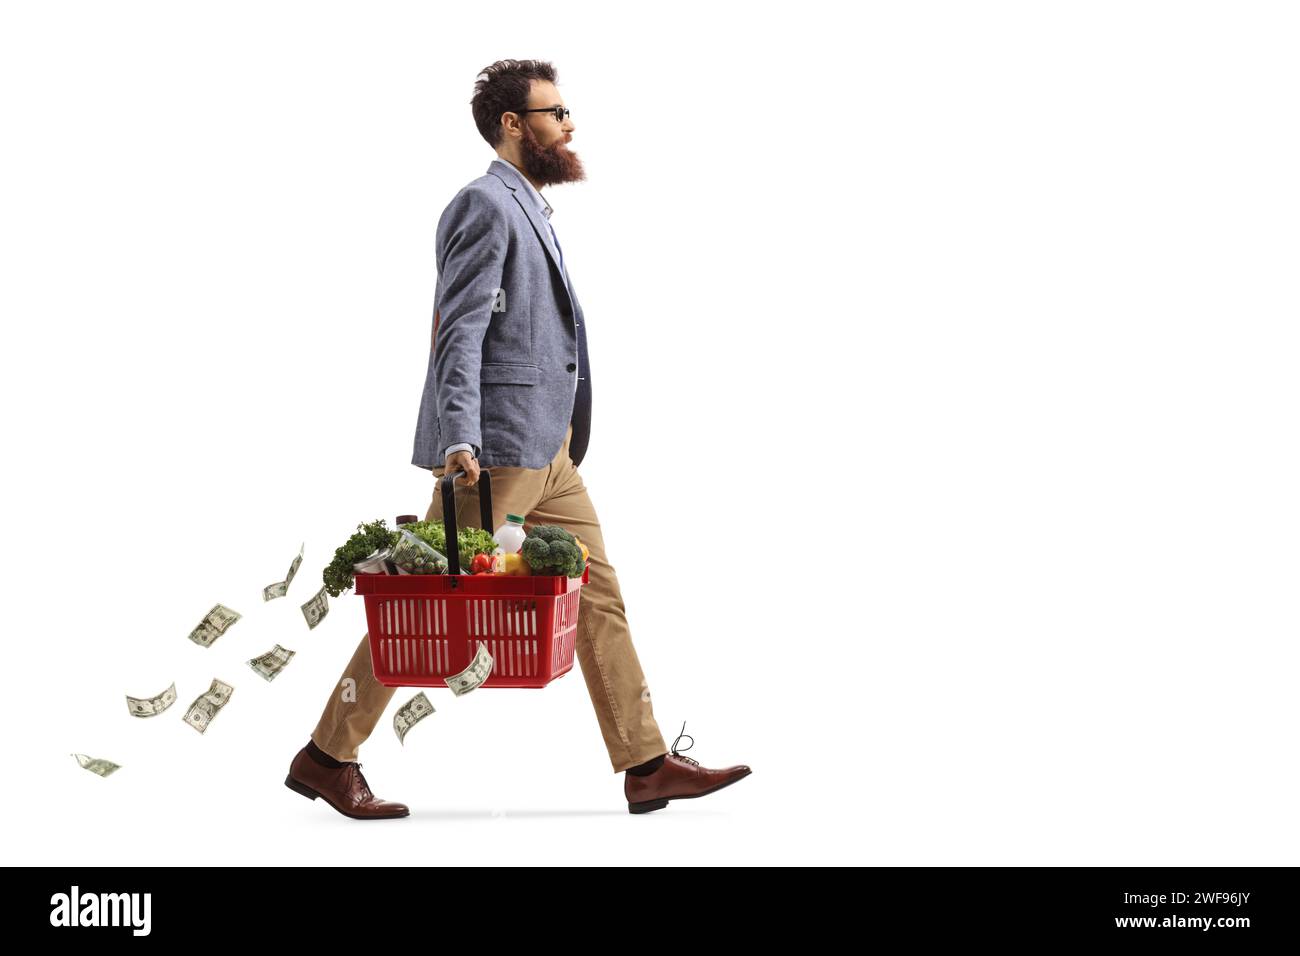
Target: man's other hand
[466,462]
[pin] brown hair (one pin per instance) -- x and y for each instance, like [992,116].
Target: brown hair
[503,88]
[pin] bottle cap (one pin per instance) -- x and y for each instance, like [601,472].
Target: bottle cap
[515,518]
[407,519]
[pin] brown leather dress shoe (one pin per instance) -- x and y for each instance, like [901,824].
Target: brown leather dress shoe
[343,788]
[679,778]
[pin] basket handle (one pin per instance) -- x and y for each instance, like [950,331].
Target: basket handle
[448,485]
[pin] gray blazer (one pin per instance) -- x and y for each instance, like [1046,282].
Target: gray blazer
[509,337]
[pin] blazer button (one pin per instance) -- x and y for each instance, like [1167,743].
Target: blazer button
[571,367]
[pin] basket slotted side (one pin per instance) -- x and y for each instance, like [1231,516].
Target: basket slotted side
[425,628]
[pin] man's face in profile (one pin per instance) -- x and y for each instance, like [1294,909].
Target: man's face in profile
[546,157]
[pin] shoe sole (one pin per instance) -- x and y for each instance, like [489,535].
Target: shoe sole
[311,794]
[646,806]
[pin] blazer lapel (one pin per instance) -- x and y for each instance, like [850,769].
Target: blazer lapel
[513,178]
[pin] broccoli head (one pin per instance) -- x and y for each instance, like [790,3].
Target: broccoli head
[551,532]
[553,556]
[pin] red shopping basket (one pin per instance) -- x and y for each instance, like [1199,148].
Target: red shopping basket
[426,627]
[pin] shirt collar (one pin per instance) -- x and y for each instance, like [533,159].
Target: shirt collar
[539,200]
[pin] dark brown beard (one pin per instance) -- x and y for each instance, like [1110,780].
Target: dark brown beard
[549,165]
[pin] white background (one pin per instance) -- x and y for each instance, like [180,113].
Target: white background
[944,364]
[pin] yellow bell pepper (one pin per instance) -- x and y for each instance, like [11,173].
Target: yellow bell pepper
[516,565]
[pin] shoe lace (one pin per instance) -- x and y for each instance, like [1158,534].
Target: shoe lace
[364,787]
[679,737]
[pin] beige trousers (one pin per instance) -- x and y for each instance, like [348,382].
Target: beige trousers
[619,693]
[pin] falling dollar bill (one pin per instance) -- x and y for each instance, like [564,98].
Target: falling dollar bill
[272,662]
[214,624]
[208,704]
[281,588]
[410,714]
[316,609]
[96,765]
[151,706]
[474,675]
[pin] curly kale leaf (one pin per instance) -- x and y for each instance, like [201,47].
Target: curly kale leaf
[369,538]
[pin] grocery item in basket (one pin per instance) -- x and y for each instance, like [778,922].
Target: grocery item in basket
[486,564]
[369,538]
[374,563]
[510,536]
[412,555]
[514,564]
[549,549]
[470,541]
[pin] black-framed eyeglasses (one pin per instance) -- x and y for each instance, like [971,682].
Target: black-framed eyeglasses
[561,113]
